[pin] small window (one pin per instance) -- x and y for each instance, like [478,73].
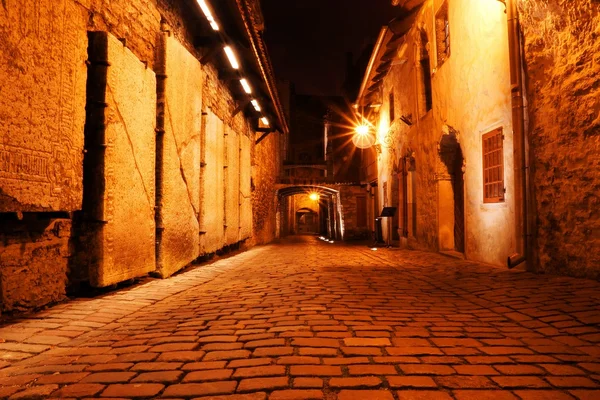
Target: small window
[442,34]
[391,105]
[493,166]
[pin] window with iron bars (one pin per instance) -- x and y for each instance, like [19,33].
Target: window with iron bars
[442,34]
[493,166]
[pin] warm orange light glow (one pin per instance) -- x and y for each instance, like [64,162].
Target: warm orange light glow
[232,58]
[265,121]
[208,15]
[362,130]
[246,86]
[314,196]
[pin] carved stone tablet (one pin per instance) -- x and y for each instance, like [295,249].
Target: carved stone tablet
[245,188]
[42,104]
[213,200]
[120,159]
[180,124]
[232,189]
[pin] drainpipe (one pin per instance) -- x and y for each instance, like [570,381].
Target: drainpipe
[520,139]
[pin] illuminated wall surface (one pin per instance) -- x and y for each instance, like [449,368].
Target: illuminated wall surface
[471,97]
[562,48]
[148,194]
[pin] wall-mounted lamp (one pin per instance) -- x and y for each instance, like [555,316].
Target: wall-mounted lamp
[363,138]
[314,196]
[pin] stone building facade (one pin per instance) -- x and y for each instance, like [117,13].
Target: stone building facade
[126,146]
[463,103]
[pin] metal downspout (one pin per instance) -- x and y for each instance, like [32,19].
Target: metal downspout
[520,139]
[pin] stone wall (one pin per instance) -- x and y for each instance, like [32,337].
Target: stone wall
[265,169]
[562,56]
[42,170]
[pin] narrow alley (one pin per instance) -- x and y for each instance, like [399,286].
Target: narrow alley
[307,319]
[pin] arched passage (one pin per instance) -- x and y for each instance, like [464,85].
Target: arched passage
[298,204]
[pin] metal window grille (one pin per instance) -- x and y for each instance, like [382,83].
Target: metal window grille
[493,166]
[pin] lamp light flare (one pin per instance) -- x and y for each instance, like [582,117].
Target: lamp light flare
[232,58]
[246,86]
[314,196]
[362,130]
[256,105]
[208,14]
[265,121]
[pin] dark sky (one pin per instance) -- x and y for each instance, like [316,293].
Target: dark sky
[308,39]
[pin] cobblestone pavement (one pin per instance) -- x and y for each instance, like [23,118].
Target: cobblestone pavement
[304,319]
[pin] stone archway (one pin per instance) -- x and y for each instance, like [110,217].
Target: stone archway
[451,204]
[330,220]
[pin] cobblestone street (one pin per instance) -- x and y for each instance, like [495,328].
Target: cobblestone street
[304,319]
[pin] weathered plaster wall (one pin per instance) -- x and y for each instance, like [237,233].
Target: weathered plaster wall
[178,147]
[471,95]
[562,56]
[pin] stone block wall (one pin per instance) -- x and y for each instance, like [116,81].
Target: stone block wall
[562,56]
[121,150]
[42,170]
[34,260]
[178,159]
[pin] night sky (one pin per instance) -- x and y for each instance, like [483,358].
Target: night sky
[308,39]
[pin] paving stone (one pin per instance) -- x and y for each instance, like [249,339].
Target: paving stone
[312,328]
[364,394]
[200,389]
[296,394]
[133,390]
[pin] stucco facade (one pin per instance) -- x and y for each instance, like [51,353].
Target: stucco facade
[430,155]
[462,76]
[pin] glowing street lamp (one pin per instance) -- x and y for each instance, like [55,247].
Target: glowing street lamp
[363,137]
[314,196]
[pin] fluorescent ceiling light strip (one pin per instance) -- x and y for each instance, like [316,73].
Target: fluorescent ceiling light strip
[232,58]
[265,121]
[256,105]
[208,14]
[246,86]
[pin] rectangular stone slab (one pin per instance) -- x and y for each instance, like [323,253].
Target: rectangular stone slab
[120,160]
[245,188]
[180,123]
[232,188]
[212,183]
[42,104]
